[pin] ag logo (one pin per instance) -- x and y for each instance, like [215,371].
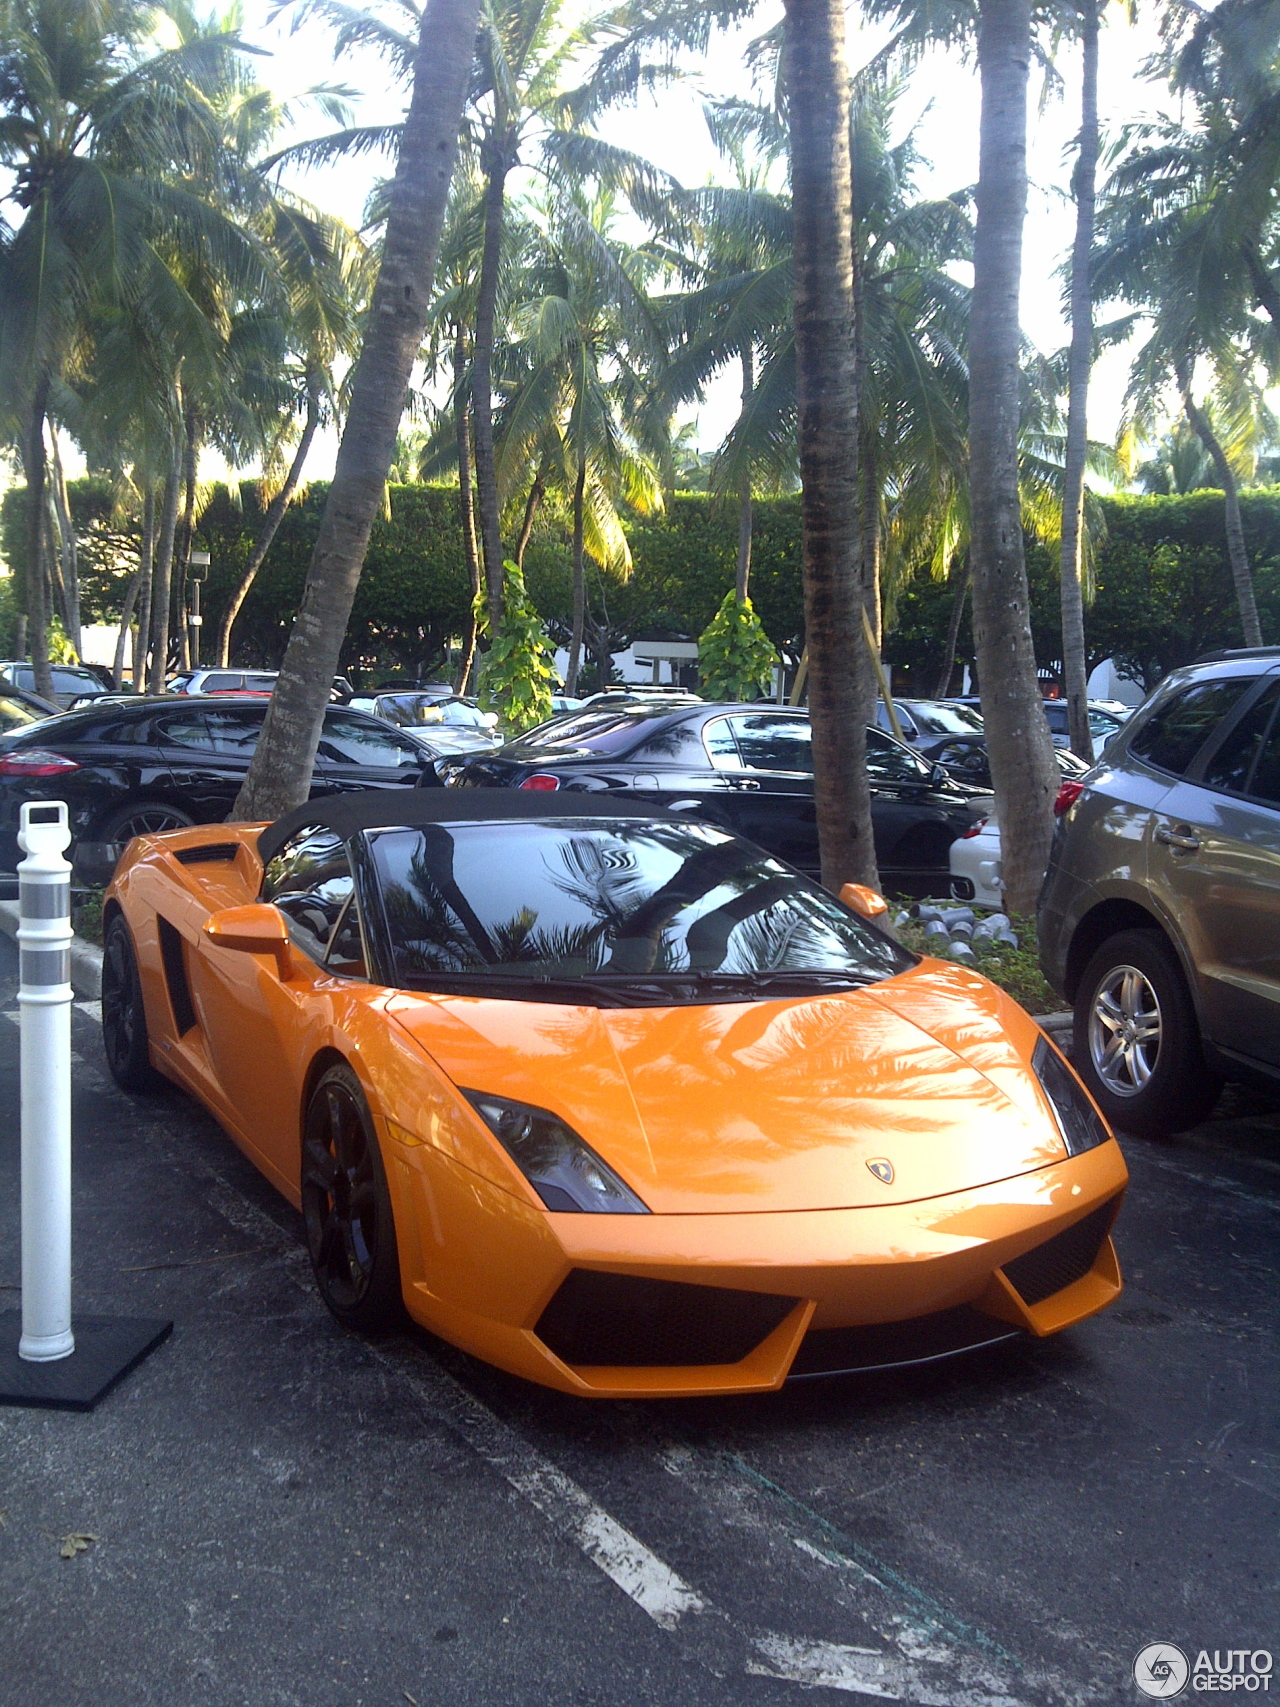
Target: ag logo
[882,1169]
[1161,1670]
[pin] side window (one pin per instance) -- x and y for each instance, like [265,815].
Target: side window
[1229,767]
[769,742]
[722,749]
[1176,730]
[185,729]
[310,881]
[889,762]
[966,759]
[350,741]
[221,682]
[234,731]
[1265,785]
[260,684]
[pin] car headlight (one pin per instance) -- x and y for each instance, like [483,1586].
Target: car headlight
[1079,1122]
[565,1172]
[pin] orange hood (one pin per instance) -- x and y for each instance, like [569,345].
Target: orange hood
[773,1105]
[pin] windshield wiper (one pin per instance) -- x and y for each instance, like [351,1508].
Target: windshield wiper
[662,989]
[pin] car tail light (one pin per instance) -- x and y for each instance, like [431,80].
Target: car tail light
[539,780]
[1068,794]
[35,761]
[974,830]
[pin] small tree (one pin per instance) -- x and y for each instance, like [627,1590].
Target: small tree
[735,656]
[517,672]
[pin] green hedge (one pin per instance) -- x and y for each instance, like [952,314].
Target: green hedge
[1163,586]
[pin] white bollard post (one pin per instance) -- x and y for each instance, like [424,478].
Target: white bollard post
[44,1002]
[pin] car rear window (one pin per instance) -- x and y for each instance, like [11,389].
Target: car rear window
[589,731]
[1175,732]
[938,719]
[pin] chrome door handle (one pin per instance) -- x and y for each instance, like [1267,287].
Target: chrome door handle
[745,782]
[1181,838]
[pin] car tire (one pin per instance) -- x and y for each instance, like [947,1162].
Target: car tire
[1153,1081]
[351,1235]
[124,1015]
[142,818]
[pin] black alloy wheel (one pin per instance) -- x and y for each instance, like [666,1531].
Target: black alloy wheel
[351,1235]
[124,1017]
[143,818]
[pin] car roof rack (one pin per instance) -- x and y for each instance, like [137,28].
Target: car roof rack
[1223,654]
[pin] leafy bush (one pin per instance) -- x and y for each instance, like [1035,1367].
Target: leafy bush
[517,673]
[735,656]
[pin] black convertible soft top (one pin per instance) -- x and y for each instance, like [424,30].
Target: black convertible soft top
[387,808]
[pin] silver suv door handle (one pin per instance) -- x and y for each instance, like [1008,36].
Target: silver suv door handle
[1181,838]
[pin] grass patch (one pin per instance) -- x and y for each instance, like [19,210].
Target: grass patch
[1015,970]
[86,915]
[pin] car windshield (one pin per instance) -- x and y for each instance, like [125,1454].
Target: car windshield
[15,715]
[413,711]
[614,912]
[938,719]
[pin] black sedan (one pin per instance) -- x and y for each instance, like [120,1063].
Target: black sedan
[965,760]
[746,767]
[162,763]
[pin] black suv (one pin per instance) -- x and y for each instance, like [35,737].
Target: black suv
[1160,912]
[157,764]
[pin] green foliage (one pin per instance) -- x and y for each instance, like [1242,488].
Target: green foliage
[735,657]
[517,674]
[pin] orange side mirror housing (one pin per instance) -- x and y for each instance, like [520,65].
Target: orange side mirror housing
[256,929]
[861,899]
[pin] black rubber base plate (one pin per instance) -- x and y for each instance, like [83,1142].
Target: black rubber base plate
[107,1348]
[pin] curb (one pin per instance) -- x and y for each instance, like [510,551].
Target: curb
[86,959]
[1058,1026]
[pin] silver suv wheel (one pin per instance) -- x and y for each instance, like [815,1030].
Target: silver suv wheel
[1124,1031]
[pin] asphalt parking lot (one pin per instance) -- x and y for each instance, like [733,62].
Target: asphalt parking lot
[283,1514]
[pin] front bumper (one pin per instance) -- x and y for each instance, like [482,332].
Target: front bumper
[818,1271]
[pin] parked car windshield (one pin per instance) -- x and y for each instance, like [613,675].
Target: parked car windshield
[935,718]
[15,715]
[415,710]
[652,912]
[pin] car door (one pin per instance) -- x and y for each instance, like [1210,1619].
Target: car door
[240,997]
[1214,859]
[772,795]
[208,748]
[358,752]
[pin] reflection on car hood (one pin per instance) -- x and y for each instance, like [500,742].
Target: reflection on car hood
[773,1105]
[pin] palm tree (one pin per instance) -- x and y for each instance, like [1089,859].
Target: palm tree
[107,145]
[1022,765]
[1081,357]
[279,775]
[841,684]
[586,325]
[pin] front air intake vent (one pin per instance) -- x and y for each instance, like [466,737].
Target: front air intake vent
[1058,1263]
[897,1345]
[621,1320]
[208,853]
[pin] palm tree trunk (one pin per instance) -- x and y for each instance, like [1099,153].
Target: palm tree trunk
[271,521]
[186,529]
[579,581]
[943,688]
[146,568]
[162,577]
[537,491]
[743,577]
[869,525]
[1237,554]
[279,774]
[1075,675]
[126,617]
[841,684]
[35,471]
[466,501]
[67,545]
[1022,765]
[482,380]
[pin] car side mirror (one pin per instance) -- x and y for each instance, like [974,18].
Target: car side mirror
[859,898]
[939,776]
[256,929]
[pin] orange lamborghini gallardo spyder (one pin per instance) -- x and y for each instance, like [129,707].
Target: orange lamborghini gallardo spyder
[616,1102]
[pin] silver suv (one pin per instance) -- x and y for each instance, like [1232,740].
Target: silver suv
[1159,917]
